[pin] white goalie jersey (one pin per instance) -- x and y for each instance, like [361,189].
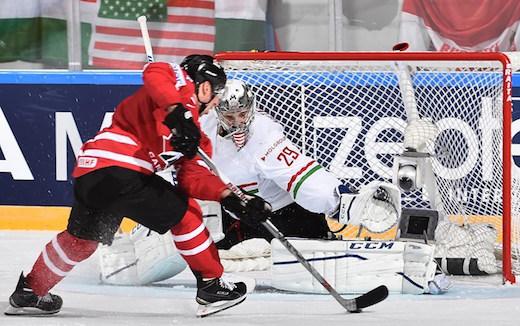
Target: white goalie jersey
[272,167]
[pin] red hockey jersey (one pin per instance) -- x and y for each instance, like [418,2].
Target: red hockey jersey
[137,136]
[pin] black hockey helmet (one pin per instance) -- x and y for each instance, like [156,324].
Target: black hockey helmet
[203,68]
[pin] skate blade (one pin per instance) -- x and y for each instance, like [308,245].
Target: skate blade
[27,311]
[213,308]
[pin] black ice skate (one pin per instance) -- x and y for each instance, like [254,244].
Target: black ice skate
[23,301]
[217,294]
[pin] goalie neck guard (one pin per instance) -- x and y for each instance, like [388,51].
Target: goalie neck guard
[235,112]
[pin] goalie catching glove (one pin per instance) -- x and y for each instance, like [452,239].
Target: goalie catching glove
[376,206]
[253,212]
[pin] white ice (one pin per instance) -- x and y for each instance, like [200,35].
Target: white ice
[471,302]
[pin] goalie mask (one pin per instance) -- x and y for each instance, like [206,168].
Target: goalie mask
[235,112]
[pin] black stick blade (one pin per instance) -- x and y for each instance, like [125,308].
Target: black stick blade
[372,297]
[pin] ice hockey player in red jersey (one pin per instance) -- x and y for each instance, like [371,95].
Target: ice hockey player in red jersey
[153,129]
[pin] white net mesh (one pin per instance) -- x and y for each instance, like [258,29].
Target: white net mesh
[350,115]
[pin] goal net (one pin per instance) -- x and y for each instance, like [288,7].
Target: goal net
[349,111]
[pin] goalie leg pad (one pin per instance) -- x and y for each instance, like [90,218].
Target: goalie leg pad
[117,262]
[141,258]
[248,255]
[355,266]
[158,258]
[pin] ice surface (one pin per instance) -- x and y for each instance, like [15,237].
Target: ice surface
[471,302]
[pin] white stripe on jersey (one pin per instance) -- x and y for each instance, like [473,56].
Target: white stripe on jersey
[119,157]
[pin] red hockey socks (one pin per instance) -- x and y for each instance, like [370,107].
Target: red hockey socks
[57,259]
[194,243]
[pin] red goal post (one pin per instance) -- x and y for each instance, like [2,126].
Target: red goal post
[346,109]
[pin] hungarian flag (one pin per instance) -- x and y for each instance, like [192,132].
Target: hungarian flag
[243,26]
[469,25]
[36,30]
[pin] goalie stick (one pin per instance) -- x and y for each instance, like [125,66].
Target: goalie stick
[367,299]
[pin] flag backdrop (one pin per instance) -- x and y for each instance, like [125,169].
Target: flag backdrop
[244,24]
[36,31]
[177,28]
[469,25]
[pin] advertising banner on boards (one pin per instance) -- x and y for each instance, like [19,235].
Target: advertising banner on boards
[45,117]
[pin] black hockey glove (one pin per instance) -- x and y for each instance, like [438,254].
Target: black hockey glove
[185,134]
[253,212]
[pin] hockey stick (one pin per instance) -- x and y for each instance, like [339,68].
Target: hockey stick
[351,305]
[146,38]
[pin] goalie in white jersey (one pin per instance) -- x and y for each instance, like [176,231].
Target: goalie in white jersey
[252,150]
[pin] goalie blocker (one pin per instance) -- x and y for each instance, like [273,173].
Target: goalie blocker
[357,266]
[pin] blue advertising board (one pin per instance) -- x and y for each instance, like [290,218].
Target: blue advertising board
[39,112]
[45,116]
